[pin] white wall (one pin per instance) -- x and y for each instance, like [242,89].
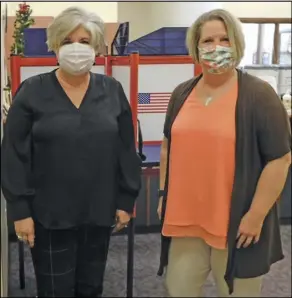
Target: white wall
[254,9]
[142,13]
[180,14]
[106,10]
[146,17]
[133,13]
[177,14]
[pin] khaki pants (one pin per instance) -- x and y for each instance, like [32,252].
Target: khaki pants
[190,262]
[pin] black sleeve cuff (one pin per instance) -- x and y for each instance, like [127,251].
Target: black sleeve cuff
[126,203]
[19,209]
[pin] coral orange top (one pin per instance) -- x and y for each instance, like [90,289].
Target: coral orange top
[201,173]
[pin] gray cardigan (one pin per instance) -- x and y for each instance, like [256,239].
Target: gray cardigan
[262,135]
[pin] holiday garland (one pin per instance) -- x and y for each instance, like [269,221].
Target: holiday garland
[23,21]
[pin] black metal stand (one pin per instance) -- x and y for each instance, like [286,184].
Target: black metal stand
[130,263]
[21,264]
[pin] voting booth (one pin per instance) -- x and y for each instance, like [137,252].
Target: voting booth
[148,82]
[152,76]
[148,75]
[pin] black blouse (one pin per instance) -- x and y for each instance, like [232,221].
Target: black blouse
[67,166]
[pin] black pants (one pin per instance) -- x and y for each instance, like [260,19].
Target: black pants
[70,263]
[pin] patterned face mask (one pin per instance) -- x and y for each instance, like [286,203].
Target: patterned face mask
[220,59]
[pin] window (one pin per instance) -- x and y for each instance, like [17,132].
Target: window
[268,41]
[251,33]
[285,44]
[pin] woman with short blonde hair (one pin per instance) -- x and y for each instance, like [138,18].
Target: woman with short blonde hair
[224,161]
[69,168]
[70,19]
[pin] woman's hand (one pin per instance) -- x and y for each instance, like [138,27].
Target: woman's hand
[122,220]
[249,230]
[25,230]
[159,208]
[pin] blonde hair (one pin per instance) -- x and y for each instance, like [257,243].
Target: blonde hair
[69,20]
[233,27]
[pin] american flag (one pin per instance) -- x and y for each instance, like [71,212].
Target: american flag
[153,102]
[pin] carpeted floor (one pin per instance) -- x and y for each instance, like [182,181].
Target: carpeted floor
[146,283]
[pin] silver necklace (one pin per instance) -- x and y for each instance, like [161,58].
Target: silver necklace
[208,100]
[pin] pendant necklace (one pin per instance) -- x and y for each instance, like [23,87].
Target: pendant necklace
[208,100]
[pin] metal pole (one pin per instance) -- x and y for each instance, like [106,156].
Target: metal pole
[134,71]
[130,262]
[4,229]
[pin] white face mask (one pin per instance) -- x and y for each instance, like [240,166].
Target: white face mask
[76,58]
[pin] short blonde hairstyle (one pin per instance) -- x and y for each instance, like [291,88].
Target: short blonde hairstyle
[233,27]
[69,20]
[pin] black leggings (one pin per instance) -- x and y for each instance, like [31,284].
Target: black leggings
[70,263]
